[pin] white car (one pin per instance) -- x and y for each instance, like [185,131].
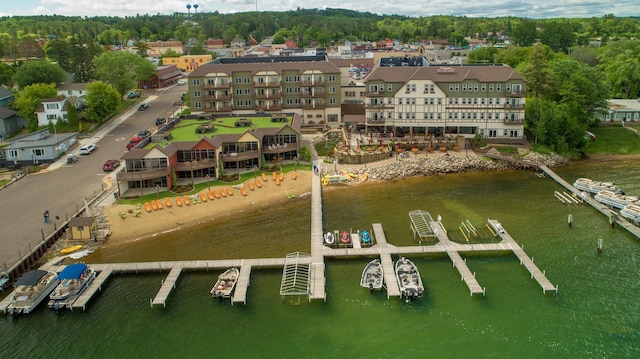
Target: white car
[182,82]
[87,149]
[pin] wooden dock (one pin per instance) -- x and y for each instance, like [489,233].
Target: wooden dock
[242,284]
[466,275]
[4,304]
[388,270]
[317,281]
[168,284]
[81,302]
[600,207]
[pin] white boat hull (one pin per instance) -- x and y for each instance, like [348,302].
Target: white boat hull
[408,279]
[372,276]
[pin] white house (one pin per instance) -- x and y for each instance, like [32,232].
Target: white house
[52,110]
[72,90]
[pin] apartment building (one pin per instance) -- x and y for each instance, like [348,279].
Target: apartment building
[306,85]
[454,100]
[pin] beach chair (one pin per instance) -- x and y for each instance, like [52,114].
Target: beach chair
[264,177]
[186,200]
[203,196]
[167,202]
[274,176]
[216,194]
[154,206]
[278,181]
[294,176]
[147,206]
[281,176]
[229,191]
[223,193]
[251,186]
[178,201]
[258,183]
[243,190]
[210,195]
[159,204]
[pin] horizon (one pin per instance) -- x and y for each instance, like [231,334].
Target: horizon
[504,8]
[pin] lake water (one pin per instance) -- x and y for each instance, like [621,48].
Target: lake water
[595,314]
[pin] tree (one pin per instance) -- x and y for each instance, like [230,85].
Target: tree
[536,71]
[484,55]
[59,51]
[171,53]
[525,34]
[197,49]
[557,35]
[38,71]
[122,70]
[102,100]
[28,100]
[6,74]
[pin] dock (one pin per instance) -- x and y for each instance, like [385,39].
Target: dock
[81,302]
[388,269]
[242,284]
[466,275]
[168,284]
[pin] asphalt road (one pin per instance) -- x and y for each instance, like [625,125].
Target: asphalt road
[63,188]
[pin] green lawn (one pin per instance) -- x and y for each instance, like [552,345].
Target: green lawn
[614,140]
[186,129]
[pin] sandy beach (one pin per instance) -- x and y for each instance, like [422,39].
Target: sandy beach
[167,219]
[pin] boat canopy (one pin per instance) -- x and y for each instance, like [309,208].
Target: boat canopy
[30,278]
[72,271]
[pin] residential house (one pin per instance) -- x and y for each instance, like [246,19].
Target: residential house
[290,44]
[10,123]
[75,89]
[38,147]
[166,75]
[51,110]
[6,96]
[621,110]
[215,44]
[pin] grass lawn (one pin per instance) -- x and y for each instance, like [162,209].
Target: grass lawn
[614,141]
[186,129]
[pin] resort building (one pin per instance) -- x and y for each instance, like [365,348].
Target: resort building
[455,100]
[208,147]
[306,85]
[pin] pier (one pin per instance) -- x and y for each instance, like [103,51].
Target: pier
[167,286]
[242,284]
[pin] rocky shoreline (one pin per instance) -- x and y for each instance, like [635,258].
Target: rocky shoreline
[447,163]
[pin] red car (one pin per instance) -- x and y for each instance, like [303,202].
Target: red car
[134,142]
[110,165]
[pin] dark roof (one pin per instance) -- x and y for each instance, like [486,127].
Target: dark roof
[30,278]
[439,74]
[5,93]
[6,113]
[81,221]
[79,86]
[300,63]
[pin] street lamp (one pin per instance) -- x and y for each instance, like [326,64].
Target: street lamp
[55,134]
[208,186]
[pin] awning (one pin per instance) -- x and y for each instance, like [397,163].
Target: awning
[72,271]
[30,278]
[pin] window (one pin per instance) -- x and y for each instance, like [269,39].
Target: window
[483,87]
[475,87]
[332,78]
[37,151]
[247,91]
[238,91]
[296,78]
[450,87]
[439,101]
[332,90]
[238,80]
[249,102]
[517,88]
[51,117]
[389,87]
[247,80]
[52,106]
[13,153]
[260,80]
[332,101]
[288,90]
[457,87]
[507,87]
[498,87]
[197,94]
[464,87]
[239,103]
[373,89]
[399,101]
[198,105]
[490,87]
[287,79]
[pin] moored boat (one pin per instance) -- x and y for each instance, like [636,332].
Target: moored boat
[588,185]
[225,284]
[30,290]
[74,279]
[615,200]
[631,212]
[345,237]
[409,279]
[329,239]
[582,184]
[372,276]
[365,237]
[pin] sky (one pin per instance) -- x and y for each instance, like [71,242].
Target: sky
[416,8]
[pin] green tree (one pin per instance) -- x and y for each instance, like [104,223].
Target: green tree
[59,50]
[197,49]
[122,70]
[484,55]
[28,100]
[38,71]
[525,33]
[558,35]
[536,71]
[171,53]
[6,74]
[102,100]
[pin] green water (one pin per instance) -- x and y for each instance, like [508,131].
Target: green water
[595,314]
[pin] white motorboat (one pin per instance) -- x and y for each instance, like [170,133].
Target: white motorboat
[372,276]
[409,279]
[74,279]
[30,290]
[586,184]
[4,279]
[615,200]
[631,212]
[225,284]
[329,238]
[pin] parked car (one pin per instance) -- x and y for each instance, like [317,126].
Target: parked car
[144,134]
[143,106]
[134,142]
[160,121]
[71,158]
[182,82]
[87,149]
[110,165]
[133,94]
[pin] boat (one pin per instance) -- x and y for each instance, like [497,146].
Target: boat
[345,237]
[372,276]
[364,177]
[409,280]
[225,283]
[615,200]
[329,238]
[588,185]
[631,212]
[30,290]
[70,249]
[4,279]
[365,237]
[74,279]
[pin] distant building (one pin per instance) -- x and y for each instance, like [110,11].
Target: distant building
[188,63]
[6,97]
[158,48]
[621,110]
[83,228]
[215,44]
[51,110]
[10,123]
[165,76]
[38,147]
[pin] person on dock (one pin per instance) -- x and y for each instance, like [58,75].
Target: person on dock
[46,216]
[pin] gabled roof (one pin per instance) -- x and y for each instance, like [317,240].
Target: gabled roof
[6,113]
[81,221]
[264,64]
[5,93]
[439,74]
[76,86]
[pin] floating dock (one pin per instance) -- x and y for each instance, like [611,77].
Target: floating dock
[168,284]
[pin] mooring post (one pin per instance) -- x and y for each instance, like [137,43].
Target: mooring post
[599,245]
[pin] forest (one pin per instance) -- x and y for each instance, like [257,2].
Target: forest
[572,65]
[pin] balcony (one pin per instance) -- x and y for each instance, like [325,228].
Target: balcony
[143,175]
[520,93]
[266,84]
[312,82]
[195,165]
[513,122]
[218,108]
[216,97]
[268,107]
[376,121]
[376,94]
[313,105]
[280,148]
[380,105]
[519,106]
[217,85]
[311,93]
[240,156]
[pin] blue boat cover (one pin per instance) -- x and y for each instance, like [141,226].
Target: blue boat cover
[72,271]
[30,278]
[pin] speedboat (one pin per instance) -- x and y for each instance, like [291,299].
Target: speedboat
[615,200]
[74,279]
[345,237]
[409,279]
[631,212]
[372,276]
[329,239]
[365,237]
[30,290]
[225,283]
